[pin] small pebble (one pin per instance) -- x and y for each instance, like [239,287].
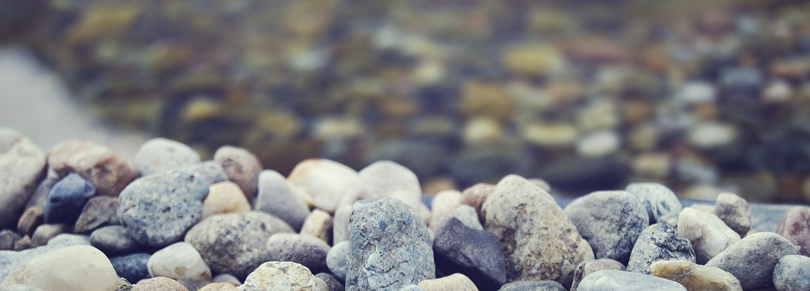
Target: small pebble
[792,273]
[586,268]
[694,276]
[331,282]
[385,179]
[224,197]
[466,214]
[278,197]
[752,259]
[473,252]
[114,240]
[219,287]
[626,281]
[99,211]
[318,224]
[159,284]
[101,166]
[795,227]
[337,260]
[533,286]
[160,155]
[442,208]
[178,261]
[450,283]
[306,250]
[23,243]
[74,268]
[280,276]
[46,232]
[707,233]
[659,200]
[67,199]
[476,195]
[22,164]
[340,224]
[324,180]
[30,220]
[132,267]
[242,168]
[193,284]
[734,211]
[7,239]
[656,243]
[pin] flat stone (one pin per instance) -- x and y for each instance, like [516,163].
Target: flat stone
[707,233]
[450,283]
[178,261]
[224,197]
[385,179]
[659,200]
[389,246]
[795,227]
[442,208]
[324,180]
[586,268]
[132,267]
[71,268]
[242,168]
[244,234]
[340,224]
[337,260]
[114,240]
[626,281]
[533,286]
[476,195]
[46,232]
[99,211]
[280,276]
[656,243]
[160,155]
[473,252]
[753,258]
[278,197]
[332,283]
[99,165]
[610,221]
[67,199]
[734,211]
[159,284]
[466,214]
[318,224]
[540,242]
[306,250]
[30,220]
[791,273]
[694,276]
[22,165]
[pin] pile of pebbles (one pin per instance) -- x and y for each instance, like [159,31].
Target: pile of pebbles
[81,217]
[589,94]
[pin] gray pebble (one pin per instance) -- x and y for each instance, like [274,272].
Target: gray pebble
[276,197]
[533,286]
[113,240]
[468,216]
[475,253]
[306,250]
[331,282]
[67,199]
[586,268]
[752,259]
[792,273]
[99,211]
[132,267]
[160,155]
[336,259]
[734,211]
[659,200]
[658,242]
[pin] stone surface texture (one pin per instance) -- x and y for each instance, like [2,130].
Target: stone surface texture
[22,164]
[752,259]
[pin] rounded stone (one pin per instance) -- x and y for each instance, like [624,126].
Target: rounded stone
[586,268]
[734,211]
[694,276]
[442,207]
[219,287]
[707,233]
[132,267]
[474,252]
[610,221]
[385,179]
[279,198]
[113,240]
[99,165]
[337,260]
[533,286]
[178,261]
[466,214]
[795,227]
[159,284]
[224,197]
[71,268]
[326,181]
[244,236]
[656,243]
[449,283]
[280,276]
[242,168]
[332,283]
[22,164]
[626,281]
[752,259]
[306,250]
[792,273]
[476,195]
[46,232]
[659,200]
[30,220]
[340,224]
[318,224]
[99,211]
[160,155]
[67,199]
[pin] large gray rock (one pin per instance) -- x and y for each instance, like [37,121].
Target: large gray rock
[659,200]
[98,212]
[612,280]
[792,273]
[160,155]
[610,221]
[22,165]
[235,243]
[475,253]
[389,246]
[752,259]
[658,242]
[158,209]
[540,242]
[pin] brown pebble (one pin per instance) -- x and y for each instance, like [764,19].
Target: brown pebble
[23,243]
[98,212]
[242,168]
[476,195]
[159,284]
[100,165]
[30,220]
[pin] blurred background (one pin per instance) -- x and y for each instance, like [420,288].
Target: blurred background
[703,96]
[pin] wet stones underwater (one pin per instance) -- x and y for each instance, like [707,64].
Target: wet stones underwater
[82,217]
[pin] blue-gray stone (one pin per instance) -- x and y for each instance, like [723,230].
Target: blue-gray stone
[332,283]
[389,246]
[659,200]
[132,267]
[612,280]
[160,155]
[336,260]
[792,273]
[114,240]
[610,221]
[533,286]
[474,253]
[753,258]
[67,199]
[658,242]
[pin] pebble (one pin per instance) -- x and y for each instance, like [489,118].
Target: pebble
[71,268]
[7,238]
[466,214]
[226,278]
[306,250]
[21,288]
[476,195]
[694,276]
[157,210]
[22,164]
[795,227]
[219,287]
[99,211]
[610,221]
[450,283]
[67,199]
[540,242]
[389,246]
[23,243]
[711,135]
[324,180]
[159,284]
[337,260]
[626,281]
[533,286]
[178,261]
[318,224]
[30,220]
[656,243]
[442,208]
[193,284]
[244,234]
[113,240]
[707,233]
[241,166]
[385,179]
[101,166]
[132,267]
[734,211]
[598,144]
[332,284]
[340,224]
[659,200]
[40,196]
[159,155]
[586,268]
[280,276]
[791,273]
[11,260]
[752,259]
[473,252]
[278,197]
[46,232]
[224,197]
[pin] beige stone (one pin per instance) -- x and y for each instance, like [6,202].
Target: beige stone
[224,197]
[74,268]
[450,283]
[695,277]
[318,224]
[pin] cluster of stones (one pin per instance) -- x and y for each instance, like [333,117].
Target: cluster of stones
[689,95]
[81,217]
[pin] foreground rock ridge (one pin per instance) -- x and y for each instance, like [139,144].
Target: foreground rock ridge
[84,218]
